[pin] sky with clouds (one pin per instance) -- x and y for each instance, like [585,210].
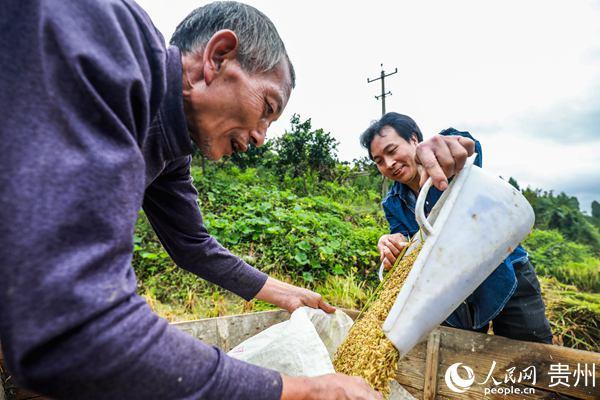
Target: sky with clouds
[522,76]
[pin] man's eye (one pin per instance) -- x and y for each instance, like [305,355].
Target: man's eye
[268,109]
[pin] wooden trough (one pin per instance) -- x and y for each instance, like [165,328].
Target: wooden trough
[499,368]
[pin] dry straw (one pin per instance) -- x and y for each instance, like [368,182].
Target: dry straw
[367,352]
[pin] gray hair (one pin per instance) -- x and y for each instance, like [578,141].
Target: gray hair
[260,48]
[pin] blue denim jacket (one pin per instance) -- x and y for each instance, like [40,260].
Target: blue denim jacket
[491,296]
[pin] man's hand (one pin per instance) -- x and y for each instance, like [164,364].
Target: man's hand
[290,297]
[328,387]
[442,157]
[390,247]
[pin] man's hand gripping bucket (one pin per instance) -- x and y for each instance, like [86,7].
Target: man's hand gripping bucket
[475,225]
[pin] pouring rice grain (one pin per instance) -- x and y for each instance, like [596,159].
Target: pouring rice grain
[367,352]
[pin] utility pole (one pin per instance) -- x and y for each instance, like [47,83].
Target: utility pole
[385,183]
[383,94]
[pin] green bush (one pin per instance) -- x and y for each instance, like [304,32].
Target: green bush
[303,149]
[569,262]
[158,277]
[273,227]
[308,236]
[561,212]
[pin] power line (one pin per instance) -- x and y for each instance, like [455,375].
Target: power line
[384,182]
[383,94]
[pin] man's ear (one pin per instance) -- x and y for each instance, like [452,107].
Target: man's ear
[221,47]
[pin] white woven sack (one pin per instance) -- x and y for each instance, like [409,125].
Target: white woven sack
[301,346]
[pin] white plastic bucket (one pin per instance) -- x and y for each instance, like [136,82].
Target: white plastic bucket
[477,222]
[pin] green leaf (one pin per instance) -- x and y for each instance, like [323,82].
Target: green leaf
[232,237]
[304,245]
[326,250]
[338,269]
[148,255]
[301,258]
[273,230]
[308,277]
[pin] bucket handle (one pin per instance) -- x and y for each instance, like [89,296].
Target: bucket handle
[424,224]
[420,215]
[420,205]
[420,209]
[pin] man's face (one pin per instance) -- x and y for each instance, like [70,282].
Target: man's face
[237,108]
[394,156]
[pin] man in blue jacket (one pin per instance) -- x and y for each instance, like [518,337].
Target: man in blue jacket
[98,120]
[510,297]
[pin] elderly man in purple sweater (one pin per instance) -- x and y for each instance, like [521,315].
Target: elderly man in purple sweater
[98,119]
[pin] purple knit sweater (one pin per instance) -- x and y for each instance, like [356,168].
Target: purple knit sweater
[92,128]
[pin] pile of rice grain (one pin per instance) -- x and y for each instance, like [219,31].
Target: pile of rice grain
[367,352]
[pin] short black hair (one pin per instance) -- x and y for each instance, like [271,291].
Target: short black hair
[404,126]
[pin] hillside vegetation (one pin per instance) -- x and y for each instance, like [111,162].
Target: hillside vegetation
[293,210]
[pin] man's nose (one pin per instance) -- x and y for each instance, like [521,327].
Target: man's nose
[389,163]
[258,135]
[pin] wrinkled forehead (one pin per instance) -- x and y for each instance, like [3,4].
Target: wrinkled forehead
[282,80]
[274,84]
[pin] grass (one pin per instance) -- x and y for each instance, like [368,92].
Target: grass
[345,291]
[573,315]
[570,262]
[584,274]
[218,304]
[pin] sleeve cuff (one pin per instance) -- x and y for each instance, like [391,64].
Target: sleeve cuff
[252,280]
[251,382]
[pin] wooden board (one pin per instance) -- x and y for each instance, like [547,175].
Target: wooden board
[481,352]
[227,332]
[423,370]
[445,347]
[431,366]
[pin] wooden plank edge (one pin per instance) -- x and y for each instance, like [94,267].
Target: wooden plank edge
[431,366]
